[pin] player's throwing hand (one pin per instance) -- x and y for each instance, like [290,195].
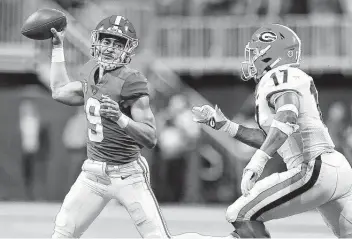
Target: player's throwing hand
[58,37]
[110,108]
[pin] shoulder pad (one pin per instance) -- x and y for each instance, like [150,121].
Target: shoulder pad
[283,79]
[86,69]
[124,72]
[135,86]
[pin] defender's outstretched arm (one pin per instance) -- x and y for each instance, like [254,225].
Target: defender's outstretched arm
[254,137]
[218,121]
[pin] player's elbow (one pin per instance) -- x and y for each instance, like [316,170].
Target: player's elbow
[281,136]
[66,99]
[150,138]
[152,143]
[286,122]
[287,117]
[55,94]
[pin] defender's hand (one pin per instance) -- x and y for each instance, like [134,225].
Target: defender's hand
[247,182]
[110,108]
[253,170]
[211,117]
[58,38]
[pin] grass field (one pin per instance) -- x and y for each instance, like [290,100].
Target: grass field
[36,220]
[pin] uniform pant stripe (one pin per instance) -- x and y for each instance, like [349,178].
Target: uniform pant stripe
[294,193]
[145,175]
[270,191]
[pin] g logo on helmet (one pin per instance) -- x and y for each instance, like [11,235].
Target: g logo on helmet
[267,37]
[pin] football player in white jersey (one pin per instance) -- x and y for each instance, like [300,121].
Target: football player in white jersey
[290,123]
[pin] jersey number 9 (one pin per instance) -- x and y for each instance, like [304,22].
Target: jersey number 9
[95,128]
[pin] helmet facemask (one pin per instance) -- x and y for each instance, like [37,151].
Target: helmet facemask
[121,56]
[249,70]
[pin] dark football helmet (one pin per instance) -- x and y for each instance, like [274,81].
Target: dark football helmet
[271,46]
[117,27]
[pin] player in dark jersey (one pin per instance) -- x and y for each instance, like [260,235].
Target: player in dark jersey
[120,123]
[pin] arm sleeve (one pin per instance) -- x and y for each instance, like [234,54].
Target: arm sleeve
[275,96]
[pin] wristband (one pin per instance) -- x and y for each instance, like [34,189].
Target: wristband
[57,55]
[123,121]
[232,128]
[257,163]
[261,154]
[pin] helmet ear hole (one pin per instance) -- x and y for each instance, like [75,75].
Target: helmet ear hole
[128,60]
[266,60]
[290,53]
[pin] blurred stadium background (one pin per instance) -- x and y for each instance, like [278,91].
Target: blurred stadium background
[190,52]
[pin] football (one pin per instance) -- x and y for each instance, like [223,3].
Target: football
[38,25]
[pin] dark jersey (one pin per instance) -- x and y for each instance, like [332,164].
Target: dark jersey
[106,141]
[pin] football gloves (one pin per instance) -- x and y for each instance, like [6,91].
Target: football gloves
[253,171]
[214,118]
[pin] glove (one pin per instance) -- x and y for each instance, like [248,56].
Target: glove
[253,170]
[211,117]
[247,182]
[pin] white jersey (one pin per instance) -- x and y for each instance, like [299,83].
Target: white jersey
[312,137]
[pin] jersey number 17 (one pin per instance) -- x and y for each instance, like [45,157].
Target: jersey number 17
[313,89]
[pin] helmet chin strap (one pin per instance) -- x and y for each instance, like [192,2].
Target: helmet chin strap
[106,65]
[101,72]
[275,62]
[121,60]
[268,68]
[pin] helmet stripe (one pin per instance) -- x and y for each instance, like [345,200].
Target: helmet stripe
[117,20]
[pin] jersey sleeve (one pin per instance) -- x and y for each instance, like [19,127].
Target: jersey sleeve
[135,86]
[282,81]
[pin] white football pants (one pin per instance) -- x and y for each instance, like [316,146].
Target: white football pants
[324,183]
[97,184]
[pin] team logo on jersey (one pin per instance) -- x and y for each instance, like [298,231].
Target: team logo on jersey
[267,37]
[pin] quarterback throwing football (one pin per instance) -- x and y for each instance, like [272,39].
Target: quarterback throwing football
[120,123]
[290,123]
